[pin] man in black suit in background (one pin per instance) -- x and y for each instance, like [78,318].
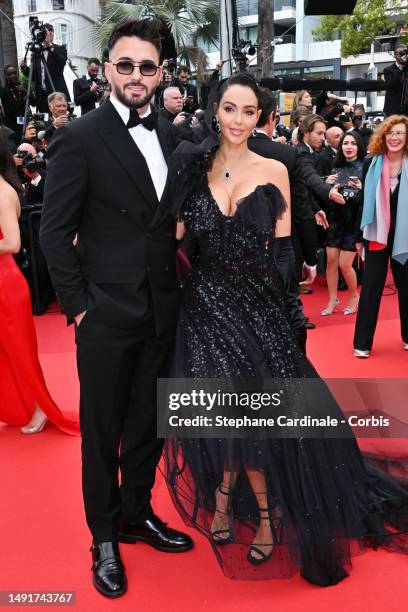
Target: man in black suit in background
[396,84]
[188,91]
[303,223]
[88,89]
[312,133]
[107,185]
[55,57]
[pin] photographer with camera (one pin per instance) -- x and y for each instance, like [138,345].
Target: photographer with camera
[173,106]
[360,124]
[13,97]
[88,89]
[188,91]
[60,115]
[31,168]
[396,84]
[55,57]
[343,221]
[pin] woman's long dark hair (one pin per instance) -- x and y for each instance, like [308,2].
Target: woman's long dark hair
[8,168]
[340,160]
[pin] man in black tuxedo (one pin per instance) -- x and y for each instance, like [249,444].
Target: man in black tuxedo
[107,185]
[55,57]
[303,226]
[396,84]
[88,89]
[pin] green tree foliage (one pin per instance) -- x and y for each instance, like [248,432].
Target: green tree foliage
[191,23]
[370,18]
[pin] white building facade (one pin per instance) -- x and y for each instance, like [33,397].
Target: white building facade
[298,55]
[73,22]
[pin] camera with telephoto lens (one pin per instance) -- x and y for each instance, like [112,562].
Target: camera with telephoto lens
[31,163]
[38,120]
[37,29]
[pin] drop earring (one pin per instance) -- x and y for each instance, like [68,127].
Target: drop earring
[217,126]
[254,132]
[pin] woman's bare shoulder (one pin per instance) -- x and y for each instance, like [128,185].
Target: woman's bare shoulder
[265,163]
[8,195]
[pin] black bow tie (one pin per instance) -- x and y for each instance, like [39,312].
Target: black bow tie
[148,122]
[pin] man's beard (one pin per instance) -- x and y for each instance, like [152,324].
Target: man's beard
[133,102]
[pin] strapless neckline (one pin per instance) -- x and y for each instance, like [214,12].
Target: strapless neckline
[239,202]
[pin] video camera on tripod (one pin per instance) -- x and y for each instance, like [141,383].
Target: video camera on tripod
[240,52]
[38,32]
[35,47]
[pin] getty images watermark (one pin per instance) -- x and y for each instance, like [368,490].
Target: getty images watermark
[282,408]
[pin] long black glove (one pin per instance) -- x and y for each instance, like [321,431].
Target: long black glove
[284,257]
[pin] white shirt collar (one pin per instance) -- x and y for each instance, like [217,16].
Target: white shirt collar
[261,132]
[124,111]
[309,147]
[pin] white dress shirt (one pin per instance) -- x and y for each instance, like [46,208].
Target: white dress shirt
[149,146]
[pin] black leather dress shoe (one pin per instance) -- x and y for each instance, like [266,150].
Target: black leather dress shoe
[310,325]
[109,576]
[153,531]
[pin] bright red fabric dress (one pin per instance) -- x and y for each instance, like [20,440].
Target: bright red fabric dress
[22,383]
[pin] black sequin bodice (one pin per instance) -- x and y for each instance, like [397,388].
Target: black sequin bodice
[234,318]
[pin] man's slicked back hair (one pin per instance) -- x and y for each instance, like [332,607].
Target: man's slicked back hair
[147,29]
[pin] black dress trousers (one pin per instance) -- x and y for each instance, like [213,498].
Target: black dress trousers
[375,274]
[118,369]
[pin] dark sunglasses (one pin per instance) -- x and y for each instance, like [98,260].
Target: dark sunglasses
[147,69]
[358,118]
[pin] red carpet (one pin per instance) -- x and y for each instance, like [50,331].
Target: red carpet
[45,542]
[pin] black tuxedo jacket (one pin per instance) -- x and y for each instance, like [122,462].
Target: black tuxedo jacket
[313,172]
[303,223]
[83,96]
[327,156]
[396,86]
[122,270]
[56,60]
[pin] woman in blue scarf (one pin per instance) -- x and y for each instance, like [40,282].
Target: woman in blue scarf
[385,229]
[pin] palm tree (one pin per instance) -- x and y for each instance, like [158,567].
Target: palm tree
[189,23]
[8,48]
[265,36]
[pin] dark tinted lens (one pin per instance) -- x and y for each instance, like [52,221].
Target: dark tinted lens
[124,67]
[148,69]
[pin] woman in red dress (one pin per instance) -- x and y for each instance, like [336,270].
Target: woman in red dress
[23,392]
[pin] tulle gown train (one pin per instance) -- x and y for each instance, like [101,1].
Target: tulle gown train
[22,383]
[325,501]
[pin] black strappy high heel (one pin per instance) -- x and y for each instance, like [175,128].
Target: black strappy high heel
[275,523]
[217,534]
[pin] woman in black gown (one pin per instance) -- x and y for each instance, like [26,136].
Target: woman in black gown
[268,506]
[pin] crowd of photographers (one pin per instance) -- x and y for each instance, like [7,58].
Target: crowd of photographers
[315,135]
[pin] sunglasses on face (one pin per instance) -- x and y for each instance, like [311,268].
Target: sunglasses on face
[147,69]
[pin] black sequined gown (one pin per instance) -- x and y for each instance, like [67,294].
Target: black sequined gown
[234,322]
